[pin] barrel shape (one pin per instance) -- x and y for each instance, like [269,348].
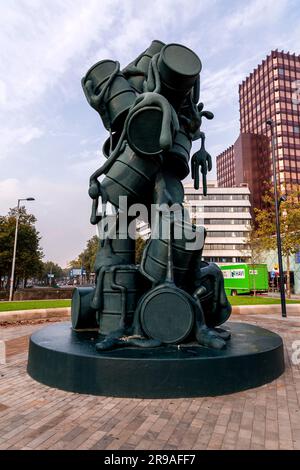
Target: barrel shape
[107,145]
[154,263]
[125,248]
[144,60]
[177,158]
[144,129]
[119,304]
[82,314]
[131,176]
[167,314]
[117,99]
[142,64]
[178,68]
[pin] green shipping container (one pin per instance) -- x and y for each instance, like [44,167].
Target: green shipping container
[242,278]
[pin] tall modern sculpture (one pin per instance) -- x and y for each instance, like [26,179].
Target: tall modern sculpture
[152,329]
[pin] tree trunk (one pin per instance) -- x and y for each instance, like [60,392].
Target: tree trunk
[288,277]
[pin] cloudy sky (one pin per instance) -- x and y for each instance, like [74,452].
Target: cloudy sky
[50,139]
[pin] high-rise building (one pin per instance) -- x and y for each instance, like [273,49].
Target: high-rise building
[226,168]
[271,91]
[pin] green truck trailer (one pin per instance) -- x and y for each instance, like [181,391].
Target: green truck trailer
[245,278]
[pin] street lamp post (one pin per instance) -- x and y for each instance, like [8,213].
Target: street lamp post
[11,289]
[270,123]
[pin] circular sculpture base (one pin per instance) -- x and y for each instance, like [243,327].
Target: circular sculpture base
[63,358]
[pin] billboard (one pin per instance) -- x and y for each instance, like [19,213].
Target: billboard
[77,272]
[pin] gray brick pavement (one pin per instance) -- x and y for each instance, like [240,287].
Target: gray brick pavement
[33,416]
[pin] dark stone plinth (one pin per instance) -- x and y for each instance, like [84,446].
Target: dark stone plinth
[65,359]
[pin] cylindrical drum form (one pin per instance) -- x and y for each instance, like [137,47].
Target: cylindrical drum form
[176,160]
[121,292]
[167,314]
[142,64]
[109,146]
[179,68]
[144,60]
[188,240]
[83,315]
[125,248]
[117,99]
[131,176]
[144,130]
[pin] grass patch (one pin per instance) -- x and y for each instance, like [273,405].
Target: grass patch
[249,300]
[33,304]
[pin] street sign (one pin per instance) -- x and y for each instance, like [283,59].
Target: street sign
[50,275]
[77,272]
[297,257]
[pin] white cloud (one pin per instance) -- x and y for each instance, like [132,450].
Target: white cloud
[8,194]
[11,137]
[3,93]
[255,12]
[39,40]
[27,134]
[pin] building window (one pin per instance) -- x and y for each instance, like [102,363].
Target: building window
[225,234]
[297,129]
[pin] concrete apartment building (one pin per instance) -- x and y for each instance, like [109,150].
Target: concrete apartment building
[271,91]
[225,213]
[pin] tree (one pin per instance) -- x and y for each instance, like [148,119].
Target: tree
[29,253]
[53,268]
[139,247]
[86,259]
[265,226]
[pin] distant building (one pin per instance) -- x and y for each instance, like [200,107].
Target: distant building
[226,168]
[225,213]
[271,91]
[246,161]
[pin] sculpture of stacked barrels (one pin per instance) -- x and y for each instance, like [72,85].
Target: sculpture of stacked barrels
[151,111]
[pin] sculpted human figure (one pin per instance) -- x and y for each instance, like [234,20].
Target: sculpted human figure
[152,111]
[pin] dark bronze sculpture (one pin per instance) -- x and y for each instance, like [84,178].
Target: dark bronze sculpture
[151,330]
[151,109]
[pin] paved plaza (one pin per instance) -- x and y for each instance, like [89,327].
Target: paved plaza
[33,416]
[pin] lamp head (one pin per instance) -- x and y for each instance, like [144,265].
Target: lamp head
[30,199]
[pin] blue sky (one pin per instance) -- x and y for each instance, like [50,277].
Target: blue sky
[50,139]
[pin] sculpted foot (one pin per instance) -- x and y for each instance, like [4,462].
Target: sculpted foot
[224,334]
[109,343]
[144,342]
[207,337]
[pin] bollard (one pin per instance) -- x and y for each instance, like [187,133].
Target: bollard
[2,352]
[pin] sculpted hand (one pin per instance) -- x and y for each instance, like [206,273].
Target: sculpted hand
[201,159]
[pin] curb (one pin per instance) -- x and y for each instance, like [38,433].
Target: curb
[47,313]
[36,314]
[292,309]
